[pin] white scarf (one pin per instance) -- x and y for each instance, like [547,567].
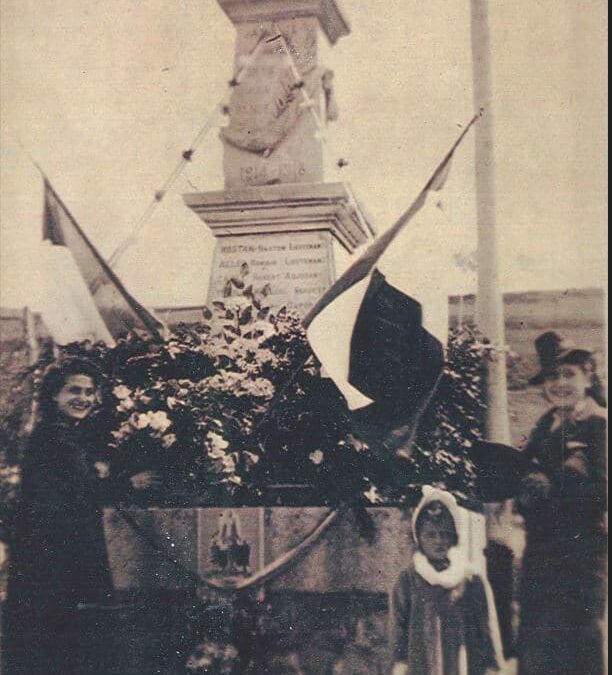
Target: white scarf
[457,572]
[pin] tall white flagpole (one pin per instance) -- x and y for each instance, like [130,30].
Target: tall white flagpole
[489,307]
[489,299]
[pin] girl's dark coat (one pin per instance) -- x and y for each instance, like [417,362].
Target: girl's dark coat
[58,554]
[463,621]
[562,586]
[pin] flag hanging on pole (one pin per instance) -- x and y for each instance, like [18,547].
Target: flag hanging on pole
[120,312]
[380,330]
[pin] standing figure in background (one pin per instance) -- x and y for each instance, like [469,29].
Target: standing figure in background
[443,618]
[58,557]
[563,505]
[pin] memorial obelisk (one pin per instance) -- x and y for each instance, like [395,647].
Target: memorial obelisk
[276,220]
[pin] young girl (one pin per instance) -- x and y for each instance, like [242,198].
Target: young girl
[58,555]
[563,504]
[442,623]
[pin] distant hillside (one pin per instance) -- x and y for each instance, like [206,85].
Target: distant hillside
[578,315]
[541,309]
[535,310]
[13,326]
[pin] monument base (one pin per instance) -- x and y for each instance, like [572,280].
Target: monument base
[330,607]
[341,560]
[279,237]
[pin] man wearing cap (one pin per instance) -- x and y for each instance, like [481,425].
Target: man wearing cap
[563,503]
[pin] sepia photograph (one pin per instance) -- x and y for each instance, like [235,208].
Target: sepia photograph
[303,363]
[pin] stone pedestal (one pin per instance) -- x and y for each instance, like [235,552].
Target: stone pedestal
[339,588]
[135,565]
[340,561]
[283,234]
[275,224]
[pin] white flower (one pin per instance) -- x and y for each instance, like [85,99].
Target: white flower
[316,457]
[102,468]
[260,387]
[229,464]
[139,420]
[225,380]
[222,461]
[174,348]
[122,392]
[159,420]
[216,442]
[126,405]
[142,397]
[124,430]
[230,652]
[168,440]
[196,663]
[372,495]
[358,444]
[10,474]
[217,460]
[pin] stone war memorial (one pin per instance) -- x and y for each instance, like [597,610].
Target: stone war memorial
[283,520]
[243,431]
[276,216]
[276,222]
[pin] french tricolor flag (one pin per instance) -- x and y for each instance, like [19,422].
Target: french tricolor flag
[380,331]
[117,311]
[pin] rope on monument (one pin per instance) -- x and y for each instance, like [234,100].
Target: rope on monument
[270,571]
[186,155]
[310,105]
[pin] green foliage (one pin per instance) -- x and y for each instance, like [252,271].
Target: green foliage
[236,404]
[456,416]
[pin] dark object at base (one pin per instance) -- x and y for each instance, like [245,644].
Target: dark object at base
[501,576]
[499,471]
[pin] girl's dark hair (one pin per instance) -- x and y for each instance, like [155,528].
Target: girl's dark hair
[55,377]
[435,512]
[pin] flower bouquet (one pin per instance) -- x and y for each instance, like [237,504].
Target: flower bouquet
[230,407]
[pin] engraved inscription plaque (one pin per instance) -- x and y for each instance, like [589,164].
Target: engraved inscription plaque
[297,267]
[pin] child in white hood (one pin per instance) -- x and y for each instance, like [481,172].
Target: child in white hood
[442,623]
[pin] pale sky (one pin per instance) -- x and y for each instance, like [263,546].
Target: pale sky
[106,96]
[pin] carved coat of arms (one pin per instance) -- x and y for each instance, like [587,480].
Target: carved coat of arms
[269,99]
